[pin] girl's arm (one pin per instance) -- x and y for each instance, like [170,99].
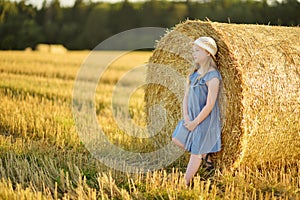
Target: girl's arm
[213,89]
[185,103]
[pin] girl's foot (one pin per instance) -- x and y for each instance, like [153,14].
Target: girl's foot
[209,165]
[190,184]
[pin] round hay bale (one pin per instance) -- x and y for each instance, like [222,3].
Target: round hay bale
[28,49]
[57,48]
[51,48]
[42,48]
[260,91]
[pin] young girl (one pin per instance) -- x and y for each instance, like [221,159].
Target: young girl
[200,130]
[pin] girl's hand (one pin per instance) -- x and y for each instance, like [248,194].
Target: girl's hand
[190,125]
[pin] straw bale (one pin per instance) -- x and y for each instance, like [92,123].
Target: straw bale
[57,48]
[28,49]
[259,96]
[51,48]
[42,48]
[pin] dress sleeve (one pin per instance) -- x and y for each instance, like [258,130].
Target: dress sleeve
[211,75]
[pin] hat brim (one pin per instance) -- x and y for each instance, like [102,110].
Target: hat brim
[206,48]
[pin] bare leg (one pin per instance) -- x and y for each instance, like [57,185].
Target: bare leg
[178,143]
[192,168]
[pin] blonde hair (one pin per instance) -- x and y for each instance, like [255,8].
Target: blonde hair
[210,63]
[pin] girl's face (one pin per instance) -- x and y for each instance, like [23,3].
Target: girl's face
[199,54]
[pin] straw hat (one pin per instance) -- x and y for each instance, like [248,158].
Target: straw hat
[208,44]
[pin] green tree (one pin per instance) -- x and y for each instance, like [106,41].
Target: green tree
[53,20]
[86,24]
[153,13]
[176,12]
[78,13]
[97,25]
[18,28]
[123,16]
[30,34]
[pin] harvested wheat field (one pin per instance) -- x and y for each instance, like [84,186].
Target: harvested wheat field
[42,157]
[260,91]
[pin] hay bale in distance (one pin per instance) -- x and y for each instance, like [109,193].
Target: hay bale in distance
[42,48]
[28,49]
[51,48]
[260,93]
[57,48]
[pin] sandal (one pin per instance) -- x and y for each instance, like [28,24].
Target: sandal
[208,165]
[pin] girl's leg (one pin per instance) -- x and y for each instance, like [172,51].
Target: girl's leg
[178,143]
[192,168]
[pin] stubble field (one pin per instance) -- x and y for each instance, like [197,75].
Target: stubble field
[42,156]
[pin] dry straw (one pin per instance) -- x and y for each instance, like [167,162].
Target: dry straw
[260,92]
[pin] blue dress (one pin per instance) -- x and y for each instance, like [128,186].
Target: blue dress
[206,137]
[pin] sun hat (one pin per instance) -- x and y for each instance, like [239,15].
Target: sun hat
[208,44]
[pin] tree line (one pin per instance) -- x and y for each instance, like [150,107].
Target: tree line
[86,24]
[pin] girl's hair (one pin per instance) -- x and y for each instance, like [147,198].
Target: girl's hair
[195,67]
